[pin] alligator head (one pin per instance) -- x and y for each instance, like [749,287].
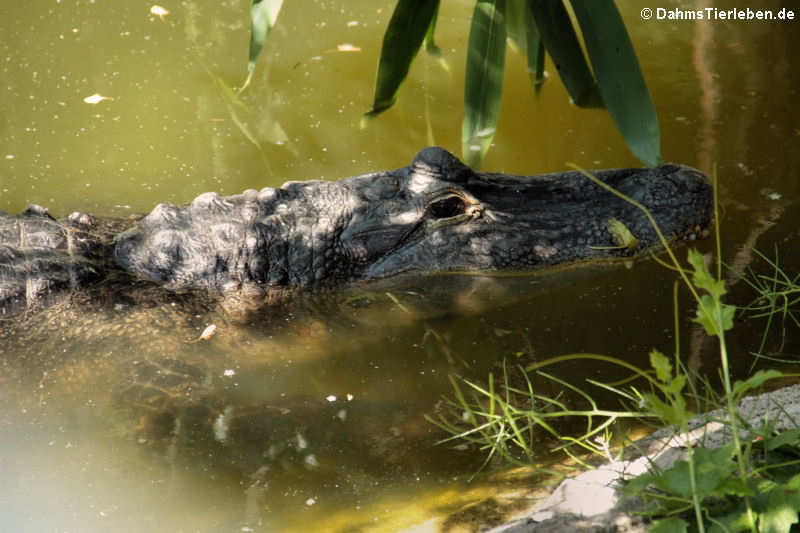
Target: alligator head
[435,215]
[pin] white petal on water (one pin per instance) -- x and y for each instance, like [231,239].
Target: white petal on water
[96,98]
[159,11]
[331,397]
[311,461]
[208,332]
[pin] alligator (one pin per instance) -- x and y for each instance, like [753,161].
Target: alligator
[434,215]
[102,313]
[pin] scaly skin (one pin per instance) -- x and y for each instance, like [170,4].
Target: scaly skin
[435,215]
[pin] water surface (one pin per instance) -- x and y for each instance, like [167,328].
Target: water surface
[314,418]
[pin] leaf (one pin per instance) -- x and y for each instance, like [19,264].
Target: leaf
[619,77]
[702,278]
[411,22]
[515,24]
[669,525]
[430,45]
[754,381]
[791,437]
[636,485]
[621,235]
[263,15]
[535,54]
[783,503]
[713,468]
[712,314]
[661,365]
[733,522]
[561,41]
[522,32]
[483,84]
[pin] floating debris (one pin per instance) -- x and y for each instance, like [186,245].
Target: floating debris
[311,461]
[209,332]
[344,47]
[159,11]
[96,98]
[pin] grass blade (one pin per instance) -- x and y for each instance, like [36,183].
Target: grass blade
[561,41]
[486,54]
[263,15]
[408,27]
[619,77]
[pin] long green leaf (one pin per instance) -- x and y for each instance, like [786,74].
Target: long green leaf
[430,45]
[619,78]
[524,35]
[263,15]
[561,42]
[407,29]
[515,24]
[483,86]
[535,51]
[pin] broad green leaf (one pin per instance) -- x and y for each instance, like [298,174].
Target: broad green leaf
[483,84]
[781,511]
[669,525]
[561,41]
[411,21]
[619,77]
[636,485]
[733,522]
[712,468]
[263,15]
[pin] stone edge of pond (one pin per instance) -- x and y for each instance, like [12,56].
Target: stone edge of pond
[590,501]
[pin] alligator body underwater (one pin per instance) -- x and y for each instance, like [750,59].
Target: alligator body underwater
[434,215]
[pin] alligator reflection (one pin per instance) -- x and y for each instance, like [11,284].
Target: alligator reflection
[317,400]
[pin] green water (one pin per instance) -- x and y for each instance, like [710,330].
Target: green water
[71,458]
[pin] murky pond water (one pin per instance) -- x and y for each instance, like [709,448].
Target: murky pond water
[312,418]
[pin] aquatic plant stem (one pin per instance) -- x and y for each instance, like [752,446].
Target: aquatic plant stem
[732,418]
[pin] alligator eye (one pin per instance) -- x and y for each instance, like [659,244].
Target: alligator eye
[447,207]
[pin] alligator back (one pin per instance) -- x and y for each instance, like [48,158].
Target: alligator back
[43,259]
